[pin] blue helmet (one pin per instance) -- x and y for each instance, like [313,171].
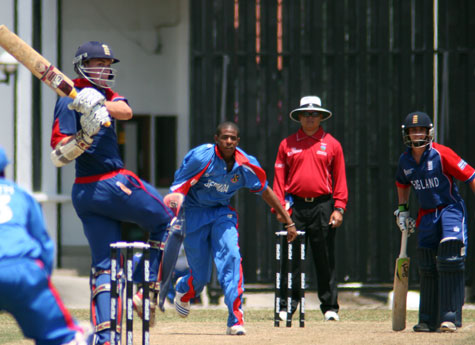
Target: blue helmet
[103,77]
[417,119]
[3,160]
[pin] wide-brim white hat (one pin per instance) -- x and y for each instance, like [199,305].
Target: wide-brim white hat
[310,104]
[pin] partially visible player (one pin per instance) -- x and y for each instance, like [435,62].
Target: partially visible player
[209,176]
[104,193]
[26,263]
[431,170]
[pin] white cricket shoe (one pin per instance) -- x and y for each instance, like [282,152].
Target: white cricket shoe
[447,326]
[236,330]
[331,316]
[182,308]
[283,316]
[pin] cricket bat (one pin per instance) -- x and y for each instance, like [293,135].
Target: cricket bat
[37,64]
[401,281]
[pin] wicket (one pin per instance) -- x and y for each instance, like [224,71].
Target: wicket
[115,293]
[280,242]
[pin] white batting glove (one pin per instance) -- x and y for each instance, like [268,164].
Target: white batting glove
[87,100]
[91,122]
[404,221]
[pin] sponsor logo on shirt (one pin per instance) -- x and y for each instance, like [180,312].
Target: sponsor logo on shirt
[462,164]
[235,178]
[428,183]
[430,165]
[220,187]
[293,151]
[408,172]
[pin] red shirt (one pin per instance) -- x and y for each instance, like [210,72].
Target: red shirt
[311,166]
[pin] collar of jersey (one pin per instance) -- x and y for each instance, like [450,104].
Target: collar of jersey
[318,135]
[81,83]
[238,156]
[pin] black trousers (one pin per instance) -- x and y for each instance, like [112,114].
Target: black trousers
[313,218]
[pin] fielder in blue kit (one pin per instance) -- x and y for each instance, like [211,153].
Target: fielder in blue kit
[431,170]
[26,264]
[104,193]
[208,177]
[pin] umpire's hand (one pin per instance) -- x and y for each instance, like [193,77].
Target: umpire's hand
[336,219]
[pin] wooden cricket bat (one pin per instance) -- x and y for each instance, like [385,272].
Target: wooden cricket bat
[401,282]
[37,64]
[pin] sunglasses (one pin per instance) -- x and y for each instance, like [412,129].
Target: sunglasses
[310,114]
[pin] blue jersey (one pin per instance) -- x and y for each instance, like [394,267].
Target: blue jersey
[433,178]
[22,229]
[103,155]
[204,170]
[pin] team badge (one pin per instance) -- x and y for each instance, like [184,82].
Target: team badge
[235,178]
[323,147]
[415,119]
[430,166]
[107,50]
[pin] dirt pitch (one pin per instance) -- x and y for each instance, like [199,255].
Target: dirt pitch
[364,321]
[344,332]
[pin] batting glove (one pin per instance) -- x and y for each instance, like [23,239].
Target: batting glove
[91,123]
[87,100]
[404,221]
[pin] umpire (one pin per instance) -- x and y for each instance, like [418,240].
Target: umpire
[310,181]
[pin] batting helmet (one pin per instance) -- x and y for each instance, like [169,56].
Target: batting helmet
[100,76]
[3,160]
[417,119]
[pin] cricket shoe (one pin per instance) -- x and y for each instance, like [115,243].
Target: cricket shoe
[137,302]
[236,330]
[182,307]
[330,315]
[422,327]
[283,316]
[447,326]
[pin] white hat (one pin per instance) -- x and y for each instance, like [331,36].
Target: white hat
[310,104]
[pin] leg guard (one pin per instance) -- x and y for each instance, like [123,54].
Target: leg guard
[100,305]
[428,304]
[451,266]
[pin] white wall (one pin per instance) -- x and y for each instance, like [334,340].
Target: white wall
[155,81]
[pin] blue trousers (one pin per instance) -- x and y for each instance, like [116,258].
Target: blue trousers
[211,234]
[102,206]
[28,294]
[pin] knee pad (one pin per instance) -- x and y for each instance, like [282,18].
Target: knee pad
[451,267]
[428,303]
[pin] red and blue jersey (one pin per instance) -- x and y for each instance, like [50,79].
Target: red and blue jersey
[103,155]
[204,169]
[433,178]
